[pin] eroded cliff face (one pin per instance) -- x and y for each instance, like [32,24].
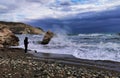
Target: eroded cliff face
[21,28]
[7,38]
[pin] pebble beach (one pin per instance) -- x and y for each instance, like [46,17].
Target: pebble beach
[14,63]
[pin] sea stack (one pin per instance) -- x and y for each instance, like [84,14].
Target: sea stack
[7,38]
[47,37]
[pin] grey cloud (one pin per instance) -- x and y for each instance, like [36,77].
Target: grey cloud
[107,21]
[9,6]
[7,9]
[104,21]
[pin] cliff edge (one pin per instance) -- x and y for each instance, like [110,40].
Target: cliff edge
[21,28]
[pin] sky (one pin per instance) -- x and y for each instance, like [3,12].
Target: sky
[76,16]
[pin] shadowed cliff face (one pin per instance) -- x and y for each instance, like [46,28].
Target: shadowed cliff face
[21,28]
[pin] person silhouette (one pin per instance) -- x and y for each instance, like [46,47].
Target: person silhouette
[26,44]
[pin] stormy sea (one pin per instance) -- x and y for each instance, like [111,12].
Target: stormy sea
[84,46]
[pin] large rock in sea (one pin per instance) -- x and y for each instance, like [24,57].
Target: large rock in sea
[7,38]
[48,36]
[21,28]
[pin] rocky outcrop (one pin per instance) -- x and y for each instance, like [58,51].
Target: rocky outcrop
[7,38]
[48,36]
[21,28]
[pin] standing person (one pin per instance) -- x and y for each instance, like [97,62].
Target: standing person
[26,44]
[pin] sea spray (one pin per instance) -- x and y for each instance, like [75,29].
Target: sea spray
[85,46]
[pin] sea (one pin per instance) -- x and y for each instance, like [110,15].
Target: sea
[84,46]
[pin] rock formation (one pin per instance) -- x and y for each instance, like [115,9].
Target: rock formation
[48,36]
[21,28]
[7,38]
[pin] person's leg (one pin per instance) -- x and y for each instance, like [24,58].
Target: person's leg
[25,48]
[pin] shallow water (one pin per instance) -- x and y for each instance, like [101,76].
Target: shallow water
[85,46]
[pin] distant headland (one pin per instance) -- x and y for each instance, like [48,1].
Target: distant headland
[21,28]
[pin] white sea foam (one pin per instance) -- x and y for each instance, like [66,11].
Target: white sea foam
[90,34]
[95,35]
[101,47]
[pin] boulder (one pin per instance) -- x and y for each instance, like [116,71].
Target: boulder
[7,38]
[47,37]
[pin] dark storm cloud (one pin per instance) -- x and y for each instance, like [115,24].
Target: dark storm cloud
[106,21]
[71,15]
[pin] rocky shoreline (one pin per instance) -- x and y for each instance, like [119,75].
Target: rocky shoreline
[14,63]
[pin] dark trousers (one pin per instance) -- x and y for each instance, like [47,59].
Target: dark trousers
[26,48]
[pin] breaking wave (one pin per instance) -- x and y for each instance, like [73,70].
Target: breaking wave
[85,46]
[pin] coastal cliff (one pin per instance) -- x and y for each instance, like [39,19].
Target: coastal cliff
[7,38]
[21,28]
